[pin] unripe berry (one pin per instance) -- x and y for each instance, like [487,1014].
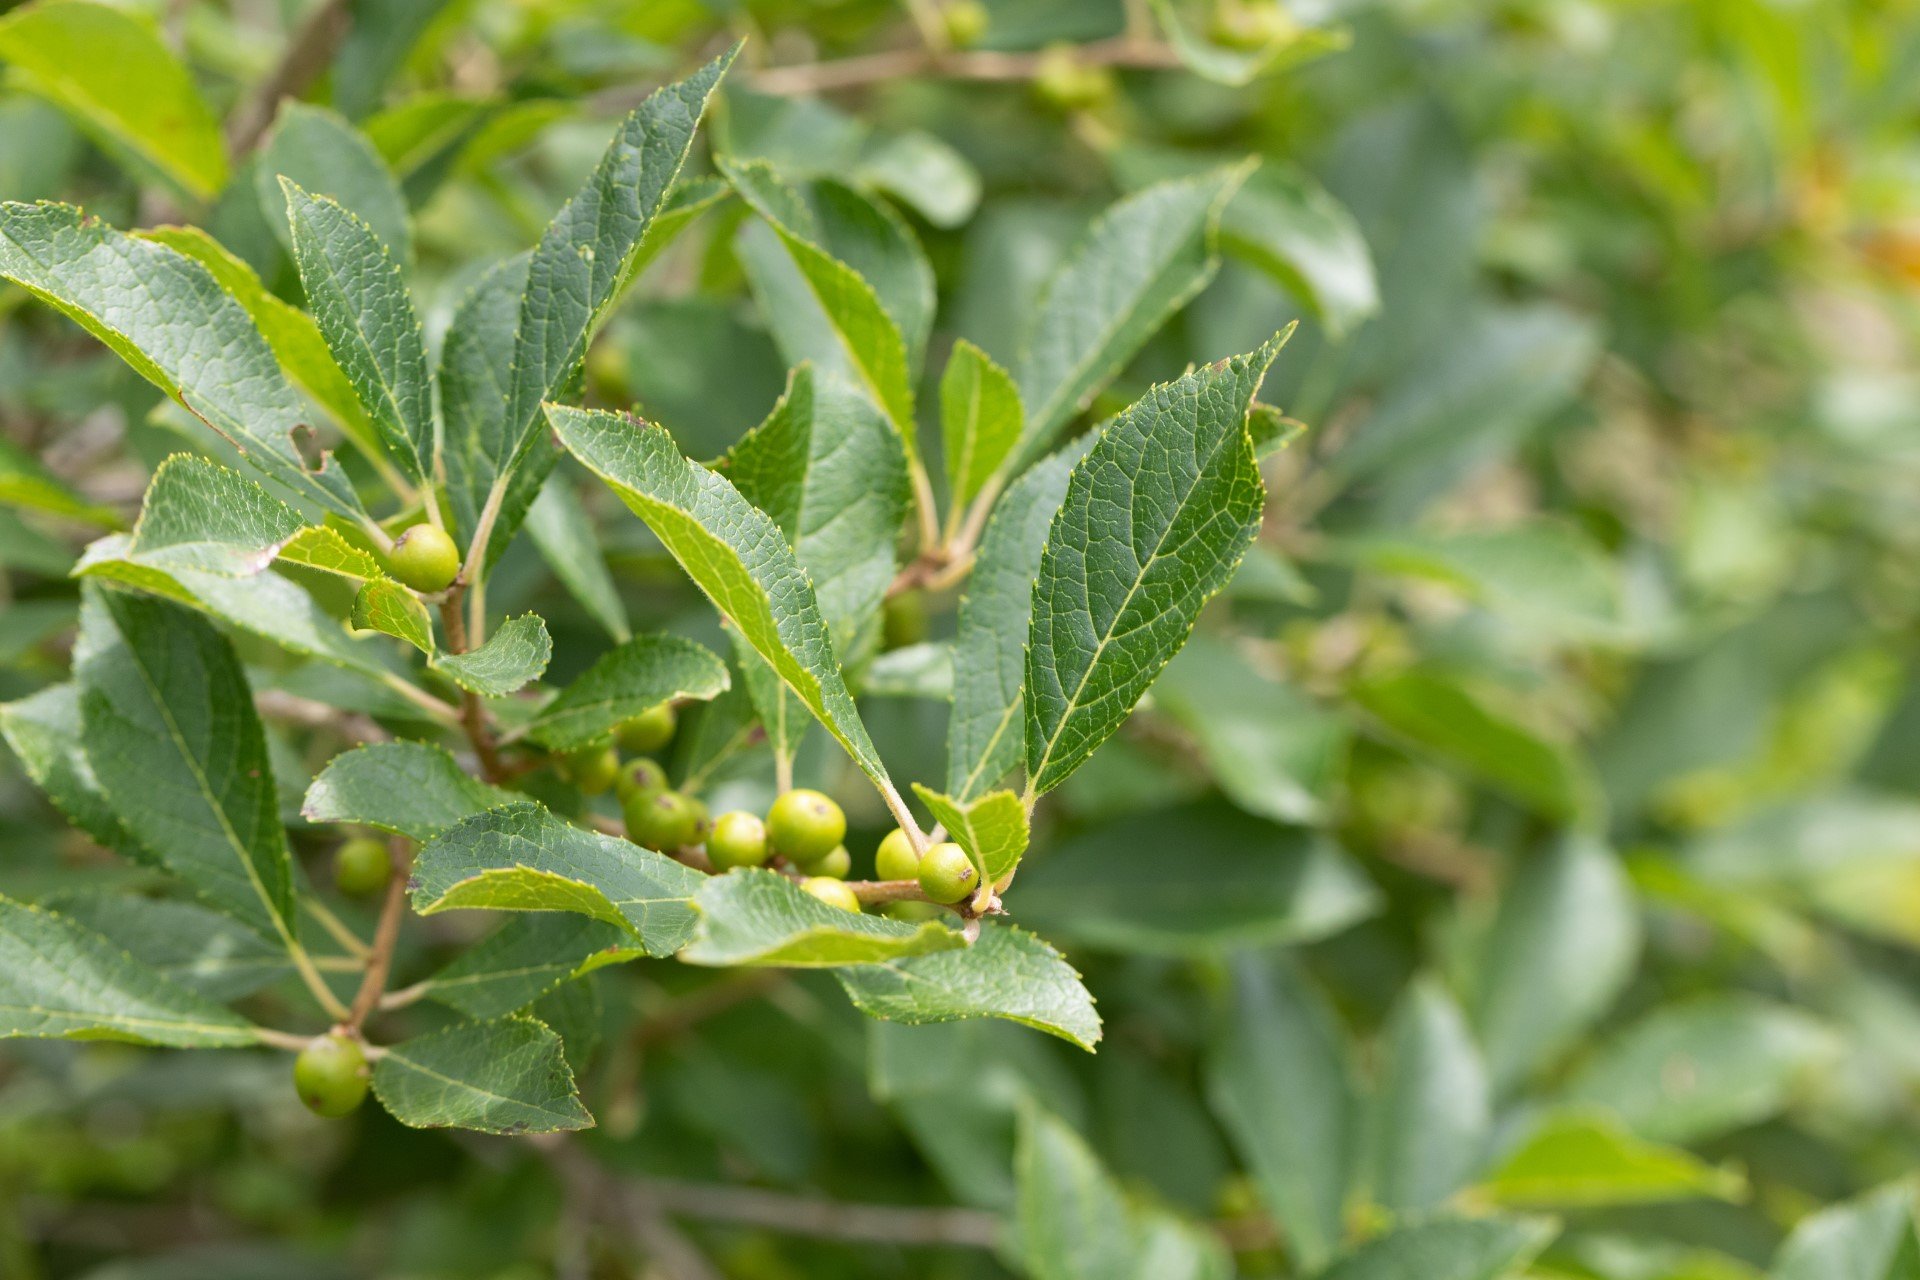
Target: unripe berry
[331,1075]
[805,825]
[738,839]
[592,769]
[947,874]
[834,866]
[425,558]
[1065,84]
[638,777]
[834,893]
[662,820]
[966,22]
[361,867]
[911,911]
[649,731]
[895,858]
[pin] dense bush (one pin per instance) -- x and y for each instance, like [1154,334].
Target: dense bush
[690,584]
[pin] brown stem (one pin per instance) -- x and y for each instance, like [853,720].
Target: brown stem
[385,934]
[473,712]
[895,64]
[307,713]
[308,52]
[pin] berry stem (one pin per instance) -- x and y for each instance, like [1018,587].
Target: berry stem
[385,934]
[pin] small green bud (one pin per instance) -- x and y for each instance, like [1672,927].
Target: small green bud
[834,893]
[637,777]
[895,858]
[805,825]
[947,874]
[425,558]
[649,731]
[835,866]
[662,820]
[361,867]
[331,1075]
[738,839]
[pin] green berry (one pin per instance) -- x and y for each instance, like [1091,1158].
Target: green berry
[834,893]
[425,558]
[638,777]
[966,22]
[738,839]
[662,820]
[1065,84]
[834,866]
[895,858]
[650,730]
[361,867]
[331,1075]
[593,769]
[947,874]
[911,911]
[805,825]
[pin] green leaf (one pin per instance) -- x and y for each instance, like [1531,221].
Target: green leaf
[1448,1249]
[1431,1113]
[1285,223]
[733,551]
[1584,1161]
[512,658]
[199,516]
[1429,710]
[1561,948]
[583,257]
[207,953]
[1156,518]
[524,959]
[759,917]
[520,857]
[509,1076]
[111,72]
[25,483]
[1278,1078]
[1693,1071]
[166,315]
[1194,881]
[564,534]
[43,730]
[984,739]
[993,830]
[980,420]
[1869,1238]
[386,606]
[411,789]
[322,153]
[475,360]
[358,297]
[59,980]
[1140,262]
[923,172]
[623,682]
[169,725]
[1007,973]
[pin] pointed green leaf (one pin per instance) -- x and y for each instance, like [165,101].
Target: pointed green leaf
[733,551]
[385,606]
[1448,1249]
[1286,224]
[198,515]
[110,71]
[759,917]
[1007,973]
[1868,1238]
[509,1076]
[323,548]
[522,858]
[980,420]
[475,361]
[1430,1114]
[1139,262]
[985,734]
[209,954]
[524,959]
[993,830]
[624,682]
[512,658]
[1583,1161]
[563,533]
[59,980]
[359,299]
[43,730]
[409,788]
[169,725]
[1157,517]
[166,315]
[326,155]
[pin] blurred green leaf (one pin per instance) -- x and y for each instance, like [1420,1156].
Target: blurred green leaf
[1577,1160]
[624,682]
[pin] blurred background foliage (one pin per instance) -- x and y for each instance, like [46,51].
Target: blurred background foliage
[1533,824]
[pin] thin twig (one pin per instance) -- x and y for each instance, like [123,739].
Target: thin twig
[336,928]
[895,64]
[308,52]
[289,1040]
[308,713]
[385,935]
[473,712]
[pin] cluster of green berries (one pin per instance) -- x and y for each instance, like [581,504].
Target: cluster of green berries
[945,872]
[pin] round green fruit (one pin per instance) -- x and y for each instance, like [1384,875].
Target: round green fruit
[966,22]
[425,558]
[662,820]
[331,1075]
[738,839]
[1066,84]
[895,858]
[361,867]
[649,731]
[639,777]
[805,826]
[910,911]
[834,893]
[593,769]
[835,866]
[947,874]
